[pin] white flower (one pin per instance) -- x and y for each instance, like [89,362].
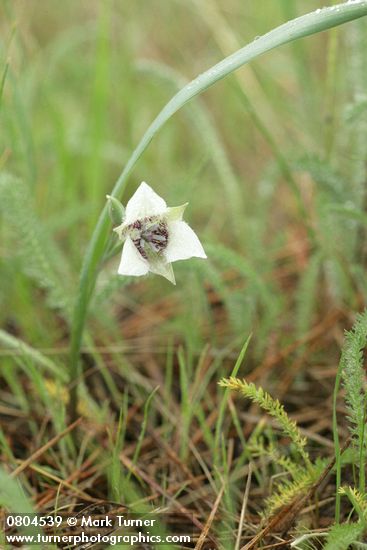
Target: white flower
[155,236]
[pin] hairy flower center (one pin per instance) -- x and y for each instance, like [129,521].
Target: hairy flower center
[149,235]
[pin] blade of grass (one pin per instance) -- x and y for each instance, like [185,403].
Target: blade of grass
[2,83]
[142,431]
[115,467]
[44,448]
[205,531]
[24,129]
[99,105]
[7,64]
[186,408]
[20,347]
[223,403]
[243,509]
[337,453]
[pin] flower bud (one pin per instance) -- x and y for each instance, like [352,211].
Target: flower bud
[115,210]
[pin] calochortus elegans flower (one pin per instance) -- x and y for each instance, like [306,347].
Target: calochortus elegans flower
[155,235]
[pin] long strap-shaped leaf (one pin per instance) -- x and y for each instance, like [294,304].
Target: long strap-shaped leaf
[300,27]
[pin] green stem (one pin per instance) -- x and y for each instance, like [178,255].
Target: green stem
[362,451]
[306,25]
[338,466]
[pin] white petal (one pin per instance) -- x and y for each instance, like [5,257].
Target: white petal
[132,263]
[164,269]
[144,202]
[182,243]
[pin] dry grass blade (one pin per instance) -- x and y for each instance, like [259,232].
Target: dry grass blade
[208,524]
[140,473]
[244,506]
[44,448]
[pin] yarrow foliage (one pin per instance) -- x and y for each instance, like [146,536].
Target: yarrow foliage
[273,407]
[155,236]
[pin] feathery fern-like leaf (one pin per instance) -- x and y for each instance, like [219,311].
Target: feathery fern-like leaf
[353,375]
[341,536]
[41,258]
[274,408]
[288,490]
[357,499]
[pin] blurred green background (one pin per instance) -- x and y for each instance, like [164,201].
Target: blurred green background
[272,161]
